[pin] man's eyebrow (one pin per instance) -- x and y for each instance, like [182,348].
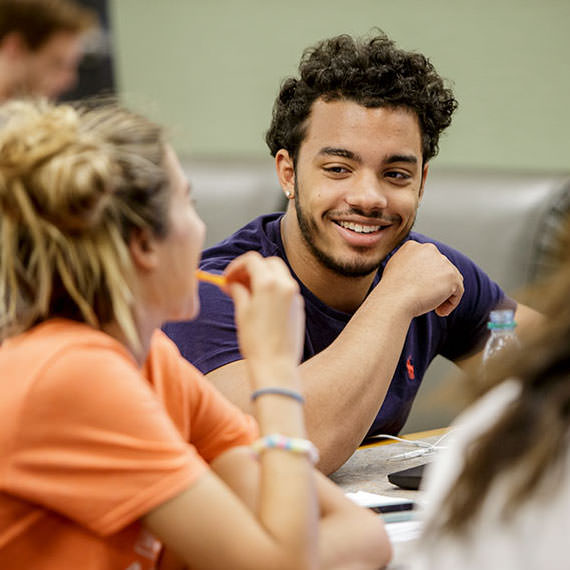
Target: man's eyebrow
[409,158]
[351,155]
[342,152]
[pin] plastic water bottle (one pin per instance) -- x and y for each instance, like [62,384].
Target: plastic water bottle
[503,336]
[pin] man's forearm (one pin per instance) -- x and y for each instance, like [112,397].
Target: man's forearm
[346,383]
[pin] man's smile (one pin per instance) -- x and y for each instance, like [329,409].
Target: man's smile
[359,228]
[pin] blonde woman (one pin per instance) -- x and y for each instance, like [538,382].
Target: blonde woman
[111,445]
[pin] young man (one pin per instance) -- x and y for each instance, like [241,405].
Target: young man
[352,140]
[40,46]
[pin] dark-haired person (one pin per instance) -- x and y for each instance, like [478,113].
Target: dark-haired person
[111,443]
[499,495]
[352,137]
[41,46]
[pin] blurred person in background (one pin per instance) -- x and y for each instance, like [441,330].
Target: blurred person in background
[499,495]
[41,44]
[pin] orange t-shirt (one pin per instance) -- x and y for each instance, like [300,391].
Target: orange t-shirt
[89,443]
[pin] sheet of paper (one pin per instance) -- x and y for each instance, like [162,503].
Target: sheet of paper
[366,499]
[403,531]
[400,526]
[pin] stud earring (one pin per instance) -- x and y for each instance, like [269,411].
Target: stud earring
[289,194]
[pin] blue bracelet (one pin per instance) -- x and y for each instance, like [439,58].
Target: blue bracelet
[278,391]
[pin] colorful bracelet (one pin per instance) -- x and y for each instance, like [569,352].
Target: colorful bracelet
[280,392]
[294,444]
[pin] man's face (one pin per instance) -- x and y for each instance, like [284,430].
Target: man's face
[358,182]
[52,69]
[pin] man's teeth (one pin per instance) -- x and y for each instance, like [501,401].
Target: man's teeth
[359,228]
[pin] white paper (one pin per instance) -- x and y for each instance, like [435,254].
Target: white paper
[403,531]
[366,499]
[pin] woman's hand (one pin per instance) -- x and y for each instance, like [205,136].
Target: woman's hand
[269,309]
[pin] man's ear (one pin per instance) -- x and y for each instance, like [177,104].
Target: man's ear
[143,250]
[425,170]
[285,172]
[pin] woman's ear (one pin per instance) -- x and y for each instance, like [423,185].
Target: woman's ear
[143,250]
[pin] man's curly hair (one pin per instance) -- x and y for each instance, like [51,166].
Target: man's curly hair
[372,72]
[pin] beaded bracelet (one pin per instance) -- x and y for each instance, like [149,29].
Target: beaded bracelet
[294,444]
[280,392]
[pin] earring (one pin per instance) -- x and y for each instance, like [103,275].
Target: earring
[289,194]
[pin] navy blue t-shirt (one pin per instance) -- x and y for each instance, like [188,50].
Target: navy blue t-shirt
[210,341]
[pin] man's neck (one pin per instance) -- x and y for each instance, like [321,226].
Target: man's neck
[335,290]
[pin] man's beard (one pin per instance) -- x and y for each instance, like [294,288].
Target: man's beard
[354,268]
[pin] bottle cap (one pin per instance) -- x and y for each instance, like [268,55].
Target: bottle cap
[502,319]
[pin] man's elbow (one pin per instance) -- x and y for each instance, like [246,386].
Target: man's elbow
[335,448]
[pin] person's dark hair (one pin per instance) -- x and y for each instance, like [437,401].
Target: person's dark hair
[37,20]
[372,72]
[531,437]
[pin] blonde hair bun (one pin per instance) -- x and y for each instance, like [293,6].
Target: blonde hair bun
[75,183]
[52,168]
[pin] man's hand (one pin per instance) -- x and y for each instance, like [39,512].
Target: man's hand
[423,279]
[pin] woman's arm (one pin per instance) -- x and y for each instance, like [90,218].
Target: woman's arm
[208,525]
[221,521]
[349,536]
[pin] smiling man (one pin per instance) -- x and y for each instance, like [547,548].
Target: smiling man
[352,139]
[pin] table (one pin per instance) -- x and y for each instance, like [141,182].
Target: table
[369,465]
[367,470]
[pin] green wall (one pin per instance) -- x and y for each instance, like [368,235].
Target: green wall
[210,69]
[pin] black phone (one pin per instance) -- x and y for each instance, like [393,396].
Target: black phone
[396,506]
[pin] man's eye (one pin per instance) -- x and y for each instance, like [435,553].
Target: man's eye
[398,175]
[336,169]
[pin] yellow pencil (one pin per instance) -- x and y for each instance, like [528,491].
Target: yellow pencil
[218,280]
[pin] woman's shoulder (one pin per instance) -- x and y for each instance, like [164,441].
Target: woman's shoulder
[58,337]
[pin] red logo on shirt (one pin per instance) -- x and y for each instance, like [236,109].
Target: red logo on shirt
[410,367]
